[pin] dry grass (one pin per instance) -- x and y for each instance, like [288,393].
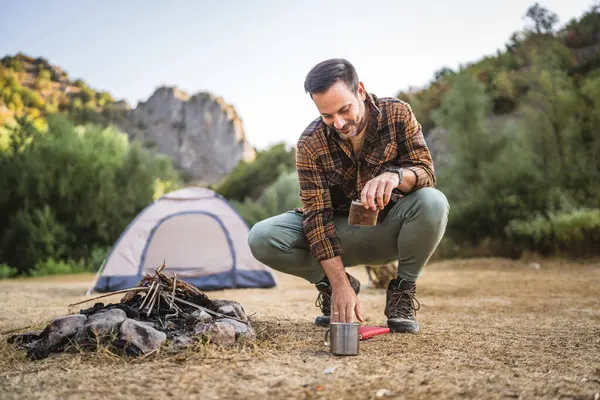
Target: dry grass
[491,328]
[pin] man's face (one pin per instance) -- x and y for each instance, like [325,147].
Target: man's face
[341,109]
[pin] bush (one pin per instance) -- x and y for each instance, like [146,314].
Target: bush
[574,234]
[96,258]
[7,272]
[281,196]
[32,99]
[249,179]
[44,74]
[32,235]
[51,266]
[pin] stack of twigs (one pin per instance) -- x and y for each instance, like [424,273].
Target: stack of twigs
[160,292]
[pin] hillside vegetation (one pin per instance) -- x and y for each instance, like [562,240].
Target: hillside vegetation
[573,49]
[32,88]
[516,139]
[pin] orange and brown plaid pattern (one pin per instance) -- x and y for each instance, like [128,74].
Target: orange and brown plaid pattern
[330,176]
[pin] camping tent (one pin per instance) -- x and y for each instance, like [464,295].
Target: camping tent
[199,236]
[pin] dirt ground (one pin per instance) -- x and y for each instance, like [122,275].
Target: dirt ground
[490,328]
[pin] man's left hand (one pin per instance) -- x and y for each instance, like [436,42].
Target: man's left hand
[378,191]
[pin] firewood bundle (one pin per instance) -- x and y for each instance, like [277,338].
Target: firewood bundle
[162,295]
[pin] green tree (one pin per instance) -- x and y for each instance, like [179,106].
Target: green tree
[542,18]
[479,161]
[463,113]
[442,72]
[250,179]
[590,138]
[551,109]
[279,197]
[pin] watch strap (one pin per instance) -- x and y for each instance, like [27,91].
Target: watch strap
[397,170]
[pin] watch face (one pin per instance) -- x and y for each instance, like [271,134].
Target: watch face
[397,171]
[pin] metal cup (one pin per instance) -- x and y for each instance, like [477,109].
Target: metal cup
[343,338]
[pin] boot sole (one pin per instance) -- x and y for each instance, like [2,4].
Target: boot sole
[403,327]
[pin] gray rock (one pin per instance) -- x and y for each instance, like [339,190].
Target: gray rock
[202,316]
[231,308]
[202,134]
[61,329]
[140,334]
[100,324]
[218,333]
[148,324]
[182,341]
[25,338]
[242,331]
[200,328]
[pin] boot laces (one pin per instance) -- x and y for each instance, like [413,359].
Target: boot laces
[403,302]
[324,302]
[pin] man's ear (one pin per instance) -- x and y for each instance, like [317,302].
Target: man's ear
[362,93]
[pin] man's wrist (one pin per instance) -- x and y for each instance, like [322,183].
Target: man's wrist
[408,182]
[398,171]
[338,280]
[335,271]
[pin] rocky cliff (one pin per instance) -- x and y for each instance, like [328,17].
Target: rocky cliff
[202,134]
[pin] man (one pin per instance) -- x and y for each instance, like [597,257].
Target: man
[367,148]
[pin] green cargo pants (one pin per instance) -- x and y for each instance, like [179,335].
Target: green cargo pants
[410,232]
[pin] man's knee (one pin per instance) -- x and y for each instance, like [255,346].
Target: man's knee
[433,207]
[259,240]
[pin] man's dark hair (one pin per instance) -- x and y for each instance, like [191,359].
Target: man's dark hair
[323,75]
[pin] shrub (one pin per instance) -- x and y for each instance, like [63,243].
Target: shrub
[249,179]
[96,257]
[32,235]
[50,266]
[574,234]
[281,196]
[44,74]
[7,272]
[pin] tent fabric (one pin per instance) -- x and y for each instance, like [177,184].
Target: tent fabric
[199,236]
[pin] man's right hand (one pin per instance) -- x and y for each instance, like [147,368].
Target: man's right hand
[344,303]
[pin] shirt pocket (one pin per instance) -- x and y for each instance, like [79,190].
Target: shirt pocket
[335,177]
[332,169]
[382,154]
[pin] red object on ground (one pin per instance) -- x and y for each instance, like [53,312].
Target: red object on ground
[367,332]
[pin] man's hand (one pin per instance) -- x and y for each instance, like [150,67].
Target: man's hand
[344,304]
[378,191]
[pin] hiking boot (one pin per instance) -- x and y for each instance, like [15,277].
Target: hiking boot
[324,298]
[401,306]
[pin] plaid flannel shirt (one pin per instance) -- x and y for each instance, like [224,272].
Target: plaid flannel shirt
[330,176]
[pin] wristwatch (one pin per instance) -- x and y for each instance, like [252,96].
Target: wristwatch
[397,170]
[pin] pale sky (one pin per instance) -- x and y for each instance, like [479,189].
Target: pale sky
[255,54]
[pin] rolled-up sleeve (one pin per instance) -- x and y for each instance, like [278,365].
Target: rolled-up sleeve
[318,224]
[413,153]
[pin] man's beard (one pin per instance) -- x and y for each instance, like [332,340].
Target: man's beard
[353,128]
[349,129]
